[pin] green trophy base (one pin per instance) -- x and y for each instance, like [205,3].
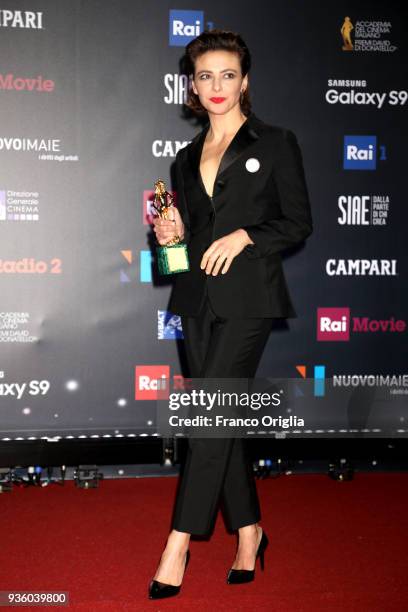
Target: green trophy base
[172,259]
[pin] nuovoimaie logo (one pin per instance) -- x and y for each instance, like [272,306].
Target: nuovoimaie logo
[124,274]
[47,149]
[146,262]
[319,378]
[145,266]
[184,26]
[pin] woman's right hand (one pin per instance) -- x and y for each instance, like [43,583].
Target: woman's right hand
[166,229]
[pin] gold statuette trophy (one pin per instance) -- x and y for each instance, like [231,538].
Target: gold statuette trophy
[172,257]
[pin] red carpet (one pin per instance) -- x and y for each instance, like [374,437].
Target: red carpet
[333,546]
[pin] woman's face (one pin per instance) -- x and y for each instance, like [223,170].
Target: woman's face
[218,81]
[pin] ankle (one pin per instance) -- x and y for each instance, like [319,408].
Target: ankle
[249,530]
[178,540]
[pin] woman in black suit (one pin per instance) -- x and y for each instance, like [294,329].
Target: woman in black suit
[242,199]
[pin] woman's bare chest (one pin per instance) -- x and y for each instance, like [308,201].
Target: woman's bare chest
[211,157]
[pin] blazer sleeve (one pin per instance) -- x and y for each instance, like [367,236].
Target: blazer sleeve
[181,198]
[295,223]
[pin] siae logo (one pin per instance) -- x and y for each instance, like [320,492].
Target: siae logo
[363,209]
[184,26]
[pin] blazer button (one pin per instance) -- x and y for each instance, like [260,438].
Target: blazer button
[220,183]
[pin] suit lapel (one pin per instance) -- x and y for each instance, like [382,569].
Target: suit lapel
[194,152]
[245,136]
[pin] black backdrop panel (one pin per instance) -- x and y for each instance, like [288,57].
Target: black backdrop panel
[91,115]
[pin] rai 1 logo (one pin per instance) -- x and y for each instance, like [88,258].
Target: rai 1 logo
[360,153]
[184,26]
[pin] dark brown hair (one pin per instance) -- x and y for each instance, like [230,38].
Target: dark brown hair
[217,40]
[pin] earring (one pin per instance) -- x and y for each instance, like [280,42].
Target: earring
[241,96]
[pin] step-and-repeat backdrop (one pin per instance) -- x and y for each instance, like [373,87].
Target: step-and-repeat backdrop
[91,114]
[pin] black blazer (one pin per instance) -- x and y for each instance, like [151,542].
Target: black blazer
[266,196]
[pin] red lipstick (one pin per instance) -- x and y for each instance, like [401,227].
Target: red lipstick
[217,100]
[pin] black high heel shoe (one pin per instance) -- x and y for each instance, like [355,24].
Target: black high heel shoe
[159,590]
[239,576]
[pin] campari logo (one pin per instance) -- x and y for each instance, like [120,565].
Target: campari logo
[21,19]
[167,148]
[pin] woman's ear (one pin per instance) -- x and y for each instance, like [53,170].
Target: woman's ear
[244,84]
[193,86]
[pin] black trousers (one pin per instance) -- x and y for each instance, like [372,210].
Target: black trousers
[219,469]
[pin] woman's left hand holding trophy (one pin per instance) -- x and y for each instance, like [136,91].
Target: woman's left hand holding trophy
[166,229]
[168,226]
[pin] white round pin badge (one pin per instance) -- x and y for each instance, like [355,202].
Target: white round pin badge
[252,164]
